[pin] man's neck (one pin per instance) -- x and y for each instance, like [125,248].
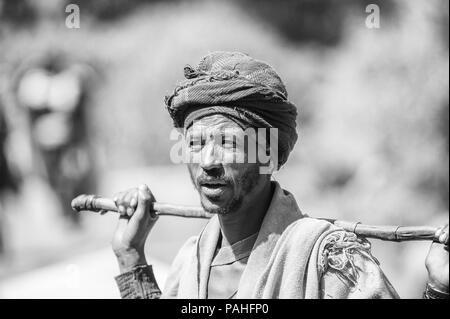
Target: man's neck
[247,220]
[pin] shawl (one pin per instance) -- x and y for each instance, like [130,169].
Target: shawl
[284,263]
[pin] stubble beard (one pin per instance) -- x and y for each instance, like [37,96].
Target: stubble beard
[248,180]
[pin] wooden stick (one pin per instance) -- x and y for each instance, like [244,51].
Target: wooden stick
[389,233]
[95,203]
[98,204]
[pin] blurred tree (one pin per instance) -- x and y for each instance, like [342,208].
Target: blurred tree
[108,10]
[17,12]
[25,13]
[443,22]
[312,21]
[442,128]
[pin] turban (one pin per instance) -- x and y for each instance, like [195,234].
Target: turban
[237,86]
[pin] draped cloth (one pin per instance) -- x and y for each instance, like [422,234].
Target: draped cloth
[240,87]
[284,262]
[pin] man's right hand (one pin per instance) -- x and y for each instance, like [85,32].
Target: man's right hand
[135,222]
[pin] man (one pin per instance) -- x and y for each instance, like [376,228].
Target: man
[258,244]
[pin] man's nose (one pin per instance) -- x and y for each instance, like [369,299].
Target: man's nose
[211,160]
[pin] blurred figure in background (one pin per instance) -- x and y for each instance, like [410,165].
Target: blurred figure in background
[51,92]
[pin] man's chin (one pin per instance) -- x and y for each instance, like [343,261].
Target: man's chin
[220,206]
[213,203]
[214,208]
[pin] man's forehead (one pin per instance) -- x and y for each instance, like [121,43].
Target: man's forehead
[212,125]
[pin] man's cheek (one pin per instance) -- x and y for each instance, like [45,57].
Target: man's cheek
[234,157]
[233,173]
[193,169]
[241,169]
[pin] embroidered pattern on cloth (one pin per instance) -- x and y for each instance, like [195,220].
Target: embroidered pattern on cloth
[338,255]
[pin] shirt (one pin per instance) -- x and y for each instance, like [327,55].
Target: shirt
[227,268]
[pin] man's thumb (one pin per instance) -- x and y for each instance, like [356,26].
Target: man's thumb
[145,199]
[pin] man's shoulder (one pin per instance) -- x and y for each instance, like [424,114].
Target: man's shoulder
[331,234]
[306,232]
[307,224]
[332,241]
[330,237]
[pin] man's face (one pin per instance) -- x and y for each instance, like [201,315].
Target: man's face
[224,185]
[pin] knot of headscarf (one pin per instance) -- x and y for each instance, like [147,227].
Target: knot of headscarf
[237,86]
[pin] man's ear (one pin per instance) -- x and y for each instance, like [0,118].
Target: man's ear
[271,166]
[267,169]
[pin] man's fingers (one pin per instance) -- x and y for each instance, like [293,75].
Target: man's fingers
[144,202]
[135,202]
[444,238]
[127,201]
[438,232]
[118,199]
[443,234]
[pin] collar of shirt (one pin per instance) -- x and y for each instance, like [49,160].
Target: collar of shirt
[236,252]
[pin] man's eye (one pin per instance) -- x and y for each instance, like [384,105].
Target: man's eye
[229,143]
[196,144]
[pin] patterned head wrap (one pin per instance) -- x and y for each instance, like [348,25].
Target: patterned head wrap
[237,86]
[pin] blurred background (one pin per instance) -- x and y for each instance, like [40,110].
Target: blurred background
[82,111]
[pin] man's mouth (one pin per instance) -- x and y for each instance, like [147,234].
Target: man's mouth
[213,188]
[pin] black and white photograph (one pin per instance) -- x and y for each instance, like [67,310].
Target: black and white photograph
[228,150]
